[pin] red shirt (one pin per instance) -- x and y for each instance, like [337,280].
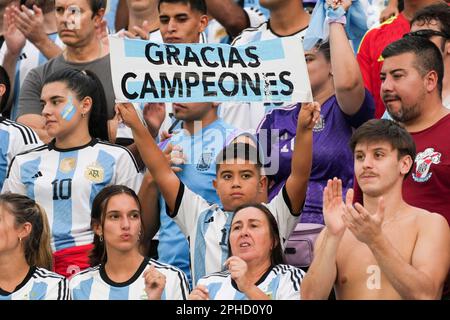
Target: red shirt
[428,184]
[369,55]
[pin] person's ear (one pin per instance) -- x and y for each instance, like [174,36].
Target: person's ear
[405,164]
[215,184]
[2,89]
[431,80]
[97,228]
[25,230]
[203,23]
[262,183]
[86,105]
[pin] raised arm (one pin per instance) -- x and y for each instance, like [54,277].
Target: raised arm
[229,14]
[151,155]
[347,78]
[322,273]
[297,182]
[31,24]
[14,42]
[148,197]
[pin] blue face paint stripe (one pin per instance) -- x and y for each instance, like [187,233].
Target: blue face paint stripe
[68,110]
[62,200]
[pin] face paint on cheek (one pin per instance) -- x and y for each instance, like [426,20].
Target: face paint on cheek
[68,111]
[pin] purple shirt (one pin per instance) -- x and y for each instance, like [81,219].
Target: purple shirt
[332,156]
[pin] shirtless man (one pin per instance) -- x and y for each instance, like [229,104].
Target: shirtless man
[386,249]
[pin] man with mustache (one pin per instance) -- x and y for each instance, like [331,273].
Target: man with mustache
[386,249]
[411,86]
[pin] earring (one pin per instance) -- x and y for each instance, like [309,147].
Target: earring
[101,238]
[83,115]
[20,240]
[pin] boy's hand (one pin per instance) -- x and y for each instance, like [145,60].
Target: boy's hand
[154,115]
[128,115]
[309,115]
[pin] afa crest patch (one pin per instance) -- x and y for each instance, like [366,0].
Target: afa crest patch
[94,172]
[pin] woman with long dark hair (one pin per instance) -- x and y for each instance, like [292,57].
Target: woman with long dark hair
[65,175]
[119,271]
[255,268]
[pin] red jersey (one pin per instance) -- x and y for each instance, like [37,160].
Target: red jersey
[369,55]
[428,185]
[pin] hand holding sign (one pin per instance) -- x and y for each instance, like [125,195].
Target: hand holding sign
[309,115]
[128,114]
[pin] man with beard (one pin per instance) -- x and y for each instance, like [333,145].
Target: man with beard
[411,89]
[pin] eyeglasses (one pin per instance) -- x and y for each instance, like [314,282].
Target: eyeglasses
[427,33]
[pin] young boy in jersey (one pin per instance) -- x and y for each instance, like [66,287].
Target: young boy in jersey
[239,180]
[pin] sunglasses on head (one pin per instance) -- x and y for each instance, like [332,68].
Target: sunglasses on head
[426,33]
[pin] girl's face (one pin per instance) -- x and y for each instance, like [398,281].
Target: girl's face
[61,109]
[122,224]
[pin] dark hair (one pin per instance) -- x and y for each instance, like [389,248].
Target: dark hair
[324,48]
[376,130]
[439,12]
[86,84]
[239,150]
[96,5]
[427,55]
[36,246]
[199,5]
[4,79]
[276,255]
[98,254]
